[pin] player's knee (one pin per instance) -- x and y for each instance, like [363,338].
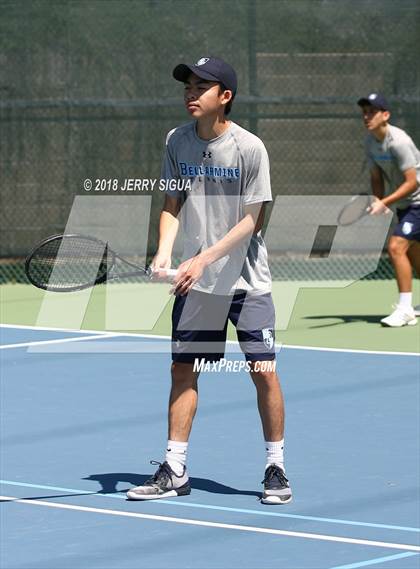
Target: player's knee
[397,247]
[183,372]
[391,249]
[263,373]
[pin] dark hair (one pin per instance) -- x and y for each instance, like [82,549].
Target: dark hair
[228,107]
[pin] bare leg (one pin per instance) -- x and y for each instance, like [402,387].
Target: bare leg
[182,408]
[270,403]
[414,256]
[182,401]
[398,250]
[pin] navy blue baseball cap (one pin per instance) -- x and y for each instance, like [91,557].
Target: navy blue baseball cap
[376,100]
[211,69]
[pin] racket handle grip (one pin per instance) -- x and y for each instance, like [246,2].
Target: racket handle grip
[165,273]
[170,272]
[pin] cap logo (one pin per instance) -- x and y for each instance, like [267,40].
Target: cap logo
[372,97]
[202,61]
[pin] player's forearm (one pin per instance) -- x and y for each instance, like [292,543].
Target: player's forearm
[239,234]
[407,188]
[168,229]
[377,185]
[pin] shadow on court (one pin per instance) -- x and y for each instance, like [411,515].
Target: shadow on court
[110,480]
[345,319]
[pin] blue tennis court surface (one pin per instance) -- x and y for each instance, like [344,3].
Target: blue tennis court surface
[79,428]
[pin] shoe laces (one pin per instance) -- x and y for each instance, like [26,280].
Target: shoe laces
[274,471]
[162,474]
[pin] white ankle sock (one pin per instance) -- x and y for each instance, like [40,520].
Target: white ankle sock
[176,456]
[406,298]
[275,453]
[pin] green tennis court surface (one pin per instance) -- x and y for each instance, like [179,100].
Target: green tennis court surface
[346,318]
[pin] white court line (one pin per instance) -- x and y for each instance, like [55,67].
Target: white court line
[164,346]
[292,347]
[376,561]
[163,337]
[177,503]
[70,330]
[48,329]
[56,341]
[187,521]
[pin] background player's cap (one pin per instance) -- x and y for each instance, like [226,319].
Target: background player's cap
[210,68]
[376,100]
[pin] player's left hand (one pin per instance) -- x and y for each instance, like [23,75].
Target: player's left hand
[189,272]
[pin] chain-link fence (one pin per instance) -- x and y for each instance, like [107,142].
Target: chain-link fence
[86,92]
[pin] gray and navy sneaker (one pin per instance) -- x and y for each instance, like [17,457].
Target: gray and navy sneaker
[163,484]
[276,486]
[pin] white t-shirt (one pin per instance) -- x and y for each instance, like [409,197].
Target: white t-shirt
[394,155]
[225,174]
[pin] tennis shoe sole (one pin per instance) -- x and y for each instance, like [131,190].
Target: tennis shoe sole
[182,491]
[274,500]
[412,322]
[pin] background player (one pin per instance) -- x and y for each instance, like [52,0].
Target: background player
[394,164]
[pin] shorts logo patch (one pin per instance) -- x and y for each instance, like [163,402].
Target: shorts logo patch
[268,337]
[202,61]
[407,228]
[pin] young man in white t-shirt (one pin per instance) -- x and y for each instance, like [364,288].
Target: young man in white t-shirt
[224,274]
[394,162]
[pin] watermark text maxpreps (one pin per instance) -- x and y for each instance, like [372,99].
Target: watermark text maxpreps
[235,366]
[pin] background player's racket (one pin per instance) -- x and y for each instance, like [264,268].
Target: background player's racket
[357,207]
[66,263]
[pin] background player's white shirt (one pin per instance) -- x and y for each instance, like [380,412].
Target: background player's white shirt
[226,173]
[394,155]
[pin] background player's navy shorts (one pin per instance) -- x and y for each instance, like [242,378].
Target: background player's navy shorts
[199,326]
[408,225]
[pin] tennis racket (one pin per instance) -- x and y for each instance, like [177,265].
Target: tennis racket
[67,263]
[355,209]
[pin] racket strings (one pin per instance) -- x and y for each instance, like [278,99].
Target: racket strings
[69,262]
[354,210]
